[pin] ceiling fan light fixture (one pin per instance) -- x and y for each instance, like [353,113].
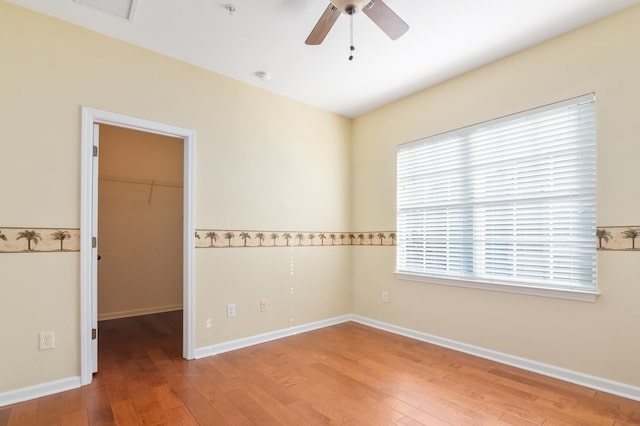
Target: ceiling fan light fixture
[377,10]
[350,7]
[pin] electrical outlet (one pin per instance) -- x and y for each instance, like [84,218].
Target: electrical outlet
[47,340]
[231,310]
[263,305]
[385,297]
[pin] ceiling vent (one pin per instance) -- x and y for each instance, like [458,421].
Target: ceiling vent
[122,8]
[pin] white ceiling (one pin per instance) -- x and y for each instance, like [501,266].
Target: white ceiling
[446,38]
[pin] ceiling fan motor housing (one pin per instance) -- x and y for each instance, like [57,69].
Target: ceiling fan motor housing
[349,7]
[381,15]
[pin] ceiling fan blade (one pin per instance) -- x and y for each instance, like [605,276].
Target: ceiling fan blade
[386,19]
[325,23]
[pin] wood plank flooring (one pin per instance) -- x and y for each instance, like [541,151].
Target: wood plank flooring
[347,374]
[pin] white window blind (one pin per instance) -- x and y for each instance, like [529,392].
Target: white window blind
[511,201]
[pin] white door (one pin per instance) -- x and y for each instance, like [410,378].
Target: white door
[94,251]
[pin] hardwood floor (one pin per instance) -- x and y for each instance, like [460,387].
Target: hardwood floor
[347,374]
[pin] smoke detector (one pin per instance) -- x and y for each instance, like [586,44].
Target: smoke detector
[263,75]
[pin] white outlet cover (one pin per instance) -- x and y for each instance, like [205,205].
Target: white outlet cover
[231,310]
[47,340]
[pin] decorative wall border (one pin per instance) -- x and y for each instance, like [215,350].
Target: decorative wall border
[39,240]
[217,238]
[60,240]
[618,238]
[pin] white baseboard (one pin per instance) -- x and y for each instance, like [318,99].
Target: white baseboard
[266,337]
[37,391]
[593,382]
[598,383]
[137,312]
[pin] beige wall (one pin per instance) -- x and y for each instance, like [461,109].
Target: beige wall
[596,338]
[139,225]
[319,283]
[38,292]
[262,162]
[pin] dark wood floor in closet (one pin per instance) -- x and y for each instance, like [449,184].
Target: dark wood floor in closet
[345,374]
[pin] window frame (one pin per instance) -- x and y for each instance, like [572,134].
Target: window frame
[586,295]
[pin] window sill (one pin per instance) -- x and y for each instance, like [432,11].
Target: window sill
[579,295]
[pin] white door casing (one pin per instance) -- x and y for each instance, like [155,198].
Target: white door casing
[88,229]
[94,248]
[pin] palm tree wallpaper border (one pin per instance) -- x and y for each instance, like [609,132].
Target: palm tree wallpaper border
[215,238]
[60,240]
[39,240]
[618,238]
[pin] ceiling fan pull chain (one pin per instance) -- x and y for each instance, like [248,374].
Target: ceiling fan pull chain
[351,47]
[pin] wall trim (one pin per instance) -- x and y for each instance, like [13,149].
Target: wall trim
[616,388]
[39,390]
[582,379]
[138,312]
[232,345]
[557,293]
[243,238]
[43,240]
[88,228]
[598,383]
[617,238]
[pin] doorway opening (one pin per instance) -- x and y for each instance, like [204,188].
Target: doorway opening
[157,189]
[139,242]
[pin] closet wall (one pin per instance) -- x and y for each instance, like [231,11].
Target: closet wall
[139,223]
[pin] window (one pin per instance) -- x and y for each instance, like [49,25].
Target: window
[507,204]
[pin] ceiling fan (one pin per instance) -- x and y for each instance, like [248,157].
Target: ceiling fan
[376,10]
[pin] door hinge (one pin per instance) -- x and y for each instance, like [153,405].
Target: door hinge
[94,334]
[95,151]
[94,242]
